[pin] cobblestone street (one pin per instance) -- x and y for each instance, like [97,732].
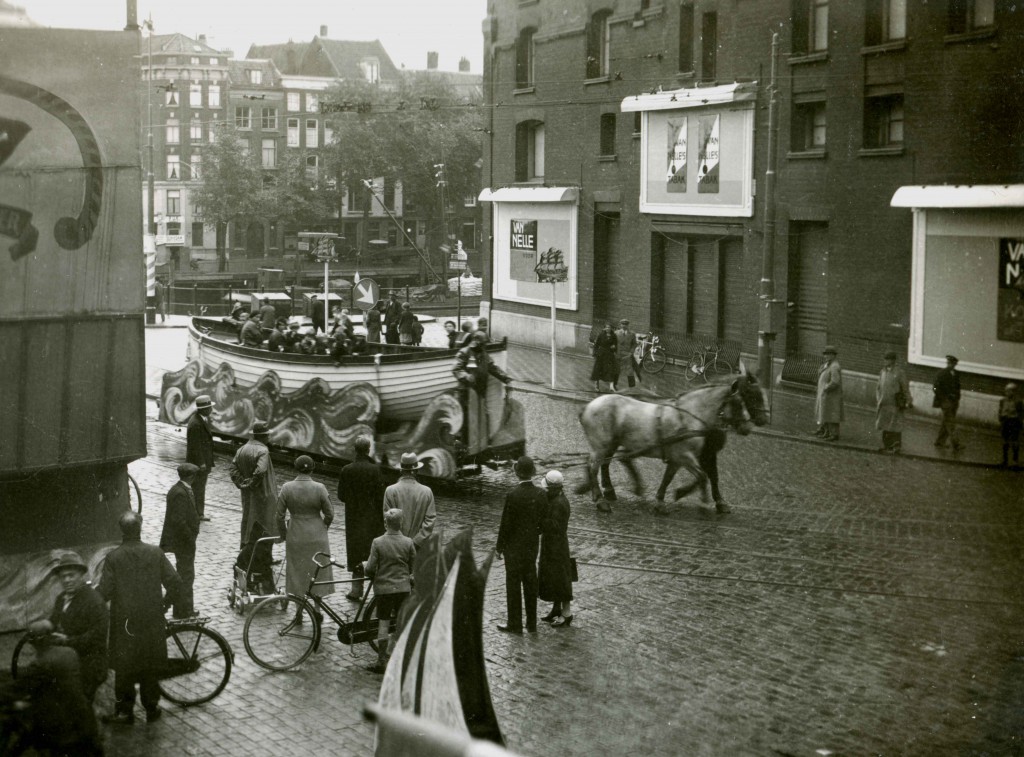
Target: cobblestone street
[851,602]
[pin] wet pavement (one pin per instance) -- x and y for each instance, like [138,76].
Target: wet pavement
[852,603]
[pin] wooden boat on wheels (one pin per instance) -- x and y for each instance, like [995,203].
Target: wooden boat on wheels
[405,397]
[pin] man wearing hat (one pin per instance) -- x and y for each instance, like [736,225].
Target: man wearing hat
[625,341]
[828,407]
[947,398]
[473,369]
[135,576]
[199,450]
[252,471]
[518,542]
[415,500]
[361,488]
[79,620]
[392,312]
[892,397]
[181,528]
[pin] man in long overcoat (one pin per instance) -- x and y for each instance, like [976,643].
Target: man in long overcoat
[361,488]
[80,621]
[135,576]
[392,313]
[518,542]
[625,343]
[415,500]
[947,398]
[473,369]
[180,531]
[252,471]
[828,408]
[199,450]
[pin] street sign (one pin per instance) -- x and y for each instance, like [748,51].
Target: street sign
[456,263]
[366,294]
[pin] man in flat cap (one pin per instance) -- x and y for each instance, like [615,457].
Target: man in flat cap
[80,621]
[181,528]
[828,408]
[625,343]
[199,449]
[947,399]
[252,471]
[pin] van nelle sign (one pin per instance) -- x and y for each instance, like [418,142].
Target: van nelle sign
[1010,320]
[698,150]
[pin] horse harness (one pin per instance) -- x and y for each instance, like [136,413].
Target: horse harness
[664,441]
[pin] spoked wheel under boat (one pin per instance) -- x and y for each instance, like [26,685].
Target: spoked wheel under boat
[281,632]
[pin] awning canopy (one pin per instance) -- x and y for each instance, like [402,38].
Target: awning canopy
[960,196]
[697,97]
[531,194]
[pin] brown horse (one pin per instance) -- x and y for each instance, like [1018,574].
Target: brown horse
[687,433]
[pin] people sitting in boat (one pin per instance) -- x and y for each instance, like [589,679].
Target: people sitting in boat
[238,317]
[467,334]
[405,324]
[252,332]
[307,346]
[360,346]
[452,333]
[339,347]
[278,339]
[292,337]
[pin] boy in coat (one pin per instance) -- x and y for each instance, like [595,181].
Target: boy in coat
[518,542]
[181,529]
[390,566]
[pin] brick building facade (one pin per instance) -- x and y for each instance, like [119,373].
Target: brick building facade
[635,133]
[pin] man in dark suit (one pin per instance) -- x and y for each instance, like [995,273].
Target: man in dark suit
[947,399]
[392,314]
[134,577]
[181,529]
[518,541]
[79,618]
[199,450]
[361,488]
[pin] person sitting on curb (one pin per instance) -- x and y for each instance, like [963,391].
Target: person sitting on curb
[390,566]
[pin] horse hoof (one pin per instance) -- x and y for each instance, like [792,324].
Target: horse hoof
[611,496]
[603,507]
[722,508]
[660,509]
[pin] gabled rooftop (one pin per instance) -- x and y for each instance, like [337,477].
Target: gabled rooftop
[177,44]
[287,56]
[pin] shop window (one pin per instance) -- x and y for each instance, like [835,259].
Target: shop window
[883,121]
[970,15]
[524,58]
[607,134]
[810,26]
[530,151]
[808,126]
[886,21]
[686,37]
[599,45]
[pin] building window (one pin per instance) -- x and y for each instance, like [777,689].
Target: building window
[328,135]
[524,58]
[808,133]
[268,118]
[311,167]
[686,37]
[530,151]
[194,61]
[195,95]
[293,101]
[195,163]
[810,26]
[708,45]
[970,15]
[358,196]
[469,201]
[173,168]
[171,98]
[270,153]
[886,21]
[174,202]
[607,134]
[468,235]
[243,117]
[173,134]
[371,70]
[197,234]
[255,76]
[213,96]
[213,61]
[312,103]
[195,132]
[883,121]
[293,132]
[388,193]
[598,45]
[638,123]
[311,132]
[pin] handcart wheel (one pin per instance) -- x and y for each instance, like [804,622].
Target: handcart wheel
[281,632]
[198,664]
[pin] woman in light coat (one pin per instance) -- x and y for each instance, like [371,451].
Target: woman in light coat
[828,408]
[892,397]
[309,506]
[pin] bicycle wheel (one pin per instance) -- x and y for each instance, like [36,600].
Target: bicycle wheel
[198,665]
[695,367]
[281,632]
[654,359]
[718,368]
[23,655]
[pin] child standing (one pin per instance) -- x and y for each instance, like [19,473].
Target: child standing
[390,567]
[1011,417]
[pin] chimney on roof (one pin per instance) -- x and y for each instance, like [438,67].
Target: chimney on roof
[323,30]
[431,61]
[202,38]
[464,65]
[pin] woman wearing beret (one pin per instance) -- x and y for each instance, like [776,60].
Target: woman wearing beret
[555,575]
[309,506]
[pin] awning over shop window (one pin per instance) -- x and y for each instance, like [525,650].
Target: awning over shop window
[530,194]
[961,196]
[697,97]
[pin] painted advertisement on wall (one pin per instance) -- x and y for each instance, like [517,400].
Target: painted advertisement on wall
[1010,303]
[707,172]
[676,175]
[523,233]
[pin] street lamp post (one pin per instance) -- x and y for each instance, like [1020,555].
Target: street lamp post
[150,187]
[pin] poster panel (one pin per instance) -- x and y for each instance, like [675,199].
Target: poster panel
[523,232]
[676,174]
[1010,302]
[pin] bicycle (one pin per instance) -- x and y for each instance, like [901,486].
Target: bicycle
[705,363]
[283,631]
[199,661]
[650,354]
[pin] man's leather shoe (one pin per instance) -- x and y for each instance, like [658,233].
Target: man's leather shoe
[531,629]
[154,715]
[509,629]
[119,718]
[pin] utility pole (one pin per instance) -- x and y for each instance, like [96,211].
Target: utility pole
[768,305]
[150,187]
